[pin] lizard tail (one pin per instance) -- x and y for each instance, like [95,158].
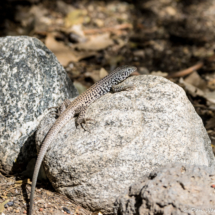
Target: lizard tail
[40,157]
[59,123]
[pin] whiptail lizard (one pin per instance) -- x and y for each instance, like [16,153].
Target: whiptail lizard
[79,106]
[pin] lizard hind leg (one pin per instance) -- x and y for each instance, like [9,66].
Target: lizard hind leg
[53,112]
[82,120]
[60,109]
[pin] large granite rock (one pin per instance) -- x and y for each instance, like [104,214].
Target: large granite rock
[173,189]
[134,133]
[32,80]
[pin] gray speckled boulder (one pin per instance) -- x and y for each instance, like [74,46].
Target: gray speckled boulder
[173,189]
[31,80]
[134,133]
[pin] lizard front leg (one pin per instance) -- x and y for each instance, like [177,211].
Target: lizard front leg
[119,87]
[82,120]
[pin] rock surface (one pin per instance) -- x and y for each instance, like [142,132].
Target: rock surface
[173,189]
[134,133]
[32,80]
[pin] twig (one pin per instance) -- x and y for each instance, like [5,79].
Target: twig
[135,73]
[186,71]
[115,28]
[192,68]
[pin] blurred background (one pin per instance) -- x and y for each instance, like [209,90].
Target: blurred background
[170,38]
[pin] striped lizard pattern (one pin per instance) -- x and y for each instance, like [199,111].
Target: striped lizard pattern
[79,106]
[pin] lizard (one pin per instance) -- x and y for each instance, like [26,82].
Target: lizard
[79,106]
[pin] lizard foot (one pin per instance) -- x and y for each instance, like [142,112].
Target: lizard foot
[84,123]
[118,88]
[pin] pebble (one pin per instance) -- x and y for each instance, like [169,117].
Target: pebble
[66,210]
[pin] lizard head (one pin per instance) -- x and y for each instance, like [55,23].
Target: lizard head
[121,73]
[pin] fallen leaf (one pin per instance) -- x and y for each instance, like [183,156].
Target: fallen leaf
[2,205]
[77,29]
[63,7]
[94,75]
[97,75]
[99,22]
[211,84]
[80,87]
[96,42]
[159,73]
[38,11]
[194,91]
[102,73]
[41,20]
[195,80]
[210,123]
[196,86]
[64,53]
[210,95]
[114,60]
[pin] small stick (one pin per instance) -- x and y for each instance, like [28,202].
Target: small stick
[186,71]
[115,28]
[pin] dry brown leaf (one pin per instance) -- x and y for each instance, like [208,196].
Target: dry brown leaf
[159,73]
[211,84]
[33,18]
[210,95]
[80,87]
[196,86]
[38,11]
[96,42]
[195,80]
[41,20]
[102,73]
[99,22]
[63,7]
[77,29]
[94,75]
[121,43]
[210,123]
[114,60]
[2,205]
[97,75]
[63,53]
[194,91]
